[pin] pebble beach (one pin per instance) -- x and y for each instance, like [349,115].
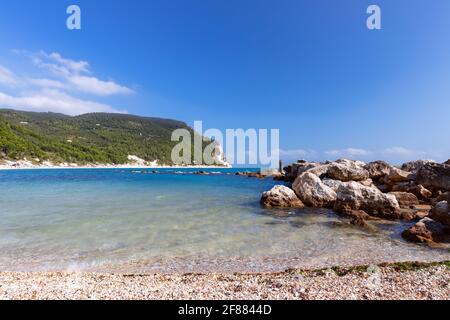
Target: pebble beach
[389,282]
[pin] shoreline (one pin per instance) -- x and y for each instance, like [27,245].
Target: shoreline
[86,167]
[423,281]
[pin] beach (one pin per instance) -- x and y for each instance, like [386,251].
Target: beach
[392,282]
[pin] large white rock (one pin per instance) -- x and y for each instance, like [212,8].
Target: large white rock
[281,196]
[313,192]
[348,170]
[355,196]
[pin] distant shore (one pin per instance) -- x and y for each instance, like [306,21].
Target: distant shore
[384,282]
[107,166]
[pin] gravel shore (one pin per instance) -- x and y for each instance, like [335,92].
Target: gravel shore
[384,282]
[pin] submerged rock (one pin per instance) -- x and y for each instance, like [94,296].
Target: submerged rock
[427,230]
[355,196]
[281,196]
[313,192]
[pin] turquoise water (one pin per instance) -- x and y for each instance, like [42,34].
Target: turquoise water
[132,220]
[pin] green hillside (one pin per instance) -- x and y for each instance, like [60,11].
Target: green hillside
[89,138]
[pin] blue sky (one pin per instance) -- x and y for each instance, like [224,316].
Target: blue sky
[310,68]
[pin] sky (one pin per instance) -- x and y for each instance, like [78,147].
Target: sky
[311,69]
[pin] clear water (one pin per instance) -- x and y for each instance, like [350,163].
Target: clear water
[131,221]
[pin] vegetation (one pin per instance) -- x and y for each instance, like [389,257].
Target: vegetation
[90,138]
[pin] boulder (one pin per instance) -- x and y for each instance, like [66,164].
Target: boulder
[447,162]
[320,170]
[405,199]
[355,196]
[298,168]
[377,169]
[413,212]
[396,175]
[347,170]
[441,213]
[434,176]
[360,218]
[427,230]
[418,190]
[414,166]
[333,184]
[281,196]
[313,192]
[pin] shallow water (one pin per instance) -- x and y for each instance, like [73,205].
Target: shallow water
[132,221]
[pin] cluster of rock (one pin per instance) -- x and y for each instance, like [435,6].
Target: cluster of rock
[418,190]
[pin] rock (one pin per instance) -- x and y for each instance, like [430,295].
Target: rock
[378,169]
[368,182]
[447,162]
[320,170]
[258,175]
[281,196]
[313,192]
[418,190]
[387,173]
[296,169]
[405,199]
[441,213]
[359,218]
[333,184]
[412,213]
[427,230]
[355,196]
[347,170]
[396,175]
[434,176]
[415,166]
[421,192]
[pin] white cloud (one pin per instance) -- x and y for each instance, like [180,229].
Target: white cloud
[349,152]
[71,65]
[47,83]
[7,77]
[77,75]
[55,101]
[98,87]
[296,153]
[398,151]
[57,86]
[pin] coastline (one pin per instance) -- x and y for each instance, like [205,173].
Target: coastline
[383,282]
[103,166]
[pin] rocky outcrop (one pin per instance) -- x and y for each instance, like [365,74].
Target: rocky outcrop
[347,170]
[313,192]
[427,231]
[434,176]
[441,213]
[355,196]
[405,199]
[281,197]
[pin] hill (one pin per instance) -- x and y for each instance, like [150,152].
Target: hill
[89,138]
